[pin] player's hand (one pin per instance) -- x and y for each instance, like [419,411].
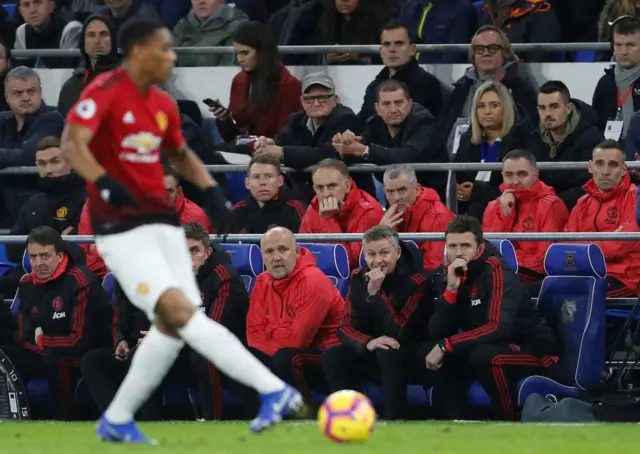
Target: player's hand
[329,207]
[122,350]
[434,358]
[392,217]
[221,113]
[383,343]
[374,278]
[464,191]
[67,231]
[507,202]
[453,280]
[39,337]
[113,192]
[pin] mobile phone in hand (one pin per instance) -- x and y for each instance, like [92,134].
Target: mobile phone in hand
[214,104]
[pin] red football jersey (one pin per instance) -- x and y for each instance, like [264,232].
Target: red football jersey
[129,130]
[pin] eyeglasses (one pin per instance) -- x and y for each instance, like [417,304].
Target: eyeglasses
[320,98]
[493,49]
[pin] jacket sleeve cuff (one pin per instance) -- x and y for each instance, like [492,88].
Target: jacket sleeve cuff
[448,347]
[450,296]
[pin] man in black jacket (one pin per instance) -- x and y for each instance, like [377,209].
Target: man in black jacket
[402,132]
[225,300]
[270,202]
[568,132]
[488,329]
[21,130]
[306,138]
[383,330]
[64,312]
[617,95]
[398,53]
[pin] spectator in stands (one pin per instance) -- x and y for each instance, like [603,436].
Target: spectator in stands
[524,21]
[382,331]
[5,67]
[609,206]
[569,132]
[617,95]
[294,25]
[487,329]
[7,28]
[187,212]
[294,312]
[209,23]
[497,127]
[264,93]
[350,22]
[613,9]
[632,141]
[401,132]
[398,52]
[440,22]
[99,48]
[119,11]
[170,11]
[526,205]
[45,28]
[29,121]
[307,137]
[414,209]
[270,203]
[339,206]
[493,59]
[64,312]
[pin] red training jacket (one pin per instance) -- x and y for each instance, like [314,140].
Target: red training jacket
[268,123]
[188,211]
[611,211]
[537,209]
[427,214]
[302,310]
[359,213]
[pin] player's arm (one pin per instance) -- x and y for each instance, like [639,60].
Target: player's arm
[75,146]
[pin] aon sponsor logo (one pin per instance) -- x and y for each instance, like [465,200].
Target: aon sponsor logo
[58,315]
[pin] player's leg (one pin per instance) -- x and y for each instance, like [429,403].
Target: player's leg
[177,309]
[135,259]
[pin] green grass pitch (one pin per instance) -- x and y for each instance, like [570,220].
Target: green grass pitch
[303,438]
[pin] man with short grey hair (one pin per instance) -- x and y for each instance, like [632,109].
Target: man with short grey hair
[46,28]
[382,331]
[413,209]
[306,138]
[28,122]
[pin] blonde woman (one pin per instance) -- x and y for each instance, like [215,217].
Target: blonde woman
[496,128]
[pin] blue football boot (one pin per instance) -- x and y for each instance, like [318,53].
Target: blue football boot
[275,406]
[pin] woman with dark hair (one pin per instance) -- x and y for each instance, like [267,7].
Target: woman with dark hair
[351,22]
[264,93]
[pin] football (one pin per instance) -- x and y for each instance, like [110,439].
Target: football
[347,416]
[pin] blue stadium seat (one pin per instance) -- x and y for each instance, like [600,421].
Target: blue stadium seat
[9,8]
[109,284]
[585,56]
[5,263]
[572,299]
[15,304]
[26,263]
[407,243]
[236,188]
[478,5]
[247,259]
[508,252]
[332,259]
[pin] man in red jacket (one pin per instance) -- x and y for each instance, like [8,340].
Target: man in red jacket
[188,212]
[415,209]
[526,205]
[294,311]
[609,205]
[339,206]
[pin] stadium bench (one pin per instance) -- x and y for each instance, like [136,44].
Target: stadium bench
[247,259]
[333,260]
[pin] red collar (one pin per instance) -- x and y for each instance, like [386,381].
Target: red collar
[62,266]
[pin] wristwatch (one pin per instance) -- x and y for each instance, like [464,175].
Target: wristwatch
[365,153]
[442,346]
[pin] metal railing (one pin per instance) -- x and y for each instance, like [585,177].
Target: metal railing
[314,50]
[355,237]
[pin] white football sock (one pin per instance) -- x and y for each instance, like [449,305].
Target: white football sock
[226,352]
[151,361]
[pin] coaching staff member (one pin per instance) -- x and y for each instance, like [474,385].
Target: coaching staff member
[383,326]
[488,329]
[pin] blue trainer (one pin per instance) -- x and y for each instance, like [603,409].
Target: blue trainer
[120,433]
[275,406]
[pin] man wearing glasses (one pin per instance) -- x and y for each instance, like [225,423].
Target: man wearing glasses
[493,58]
[306,138]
